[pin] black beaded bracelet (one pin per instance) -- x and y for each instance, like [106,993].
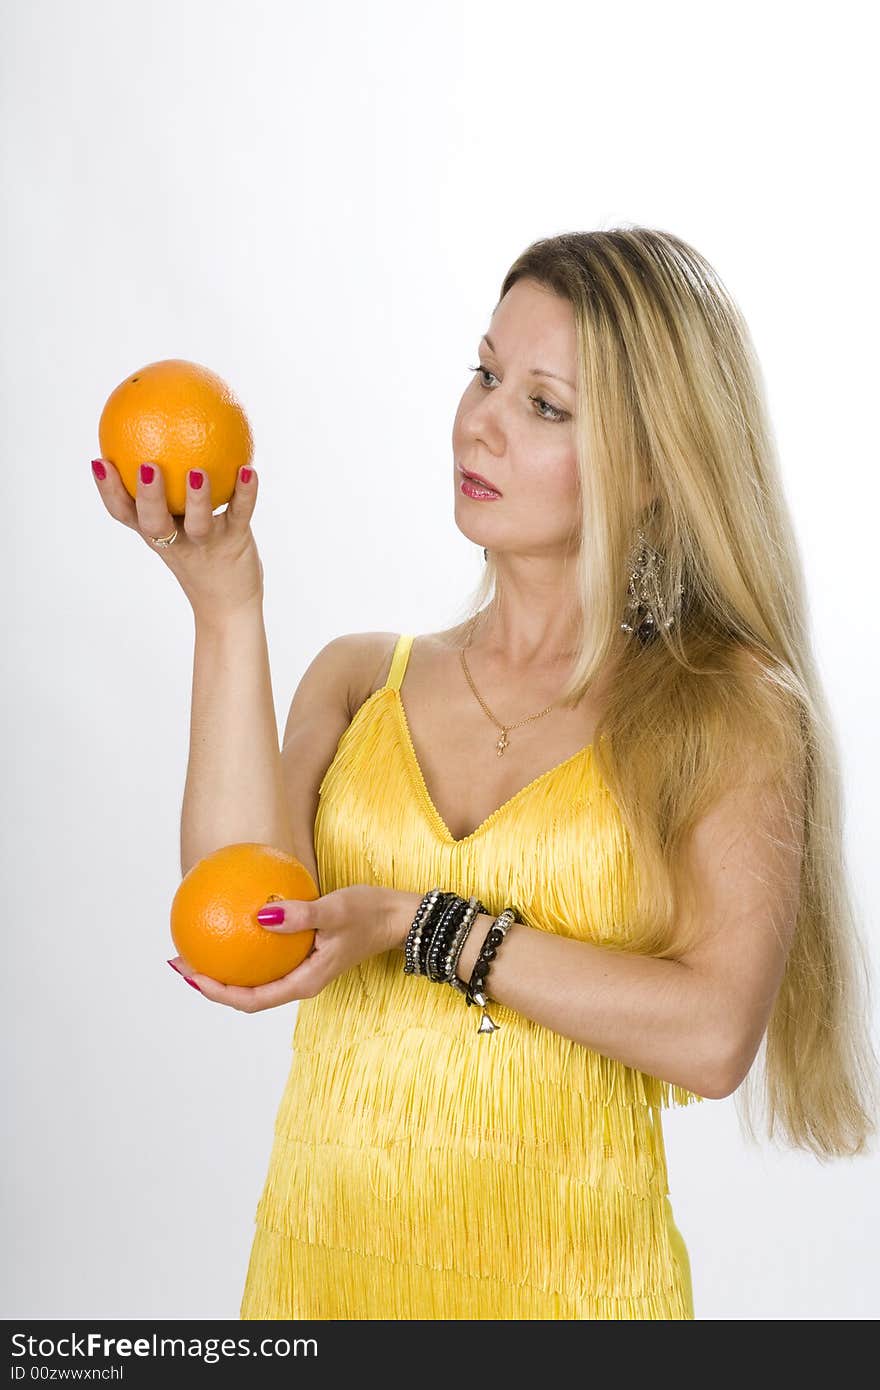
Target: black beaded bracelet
[431,910]
[456,946]
[476,988]
[449,940]
[444,934]
[424,914]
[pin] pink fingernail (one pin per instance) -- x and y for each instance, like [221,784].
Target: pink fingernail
[174,967]
[270,916]
[98,469]
[191,982]
[246,475]
[147,472]
[195,478]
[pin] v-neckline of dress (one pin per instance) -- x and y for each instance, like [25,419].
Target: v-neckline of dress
[439,824]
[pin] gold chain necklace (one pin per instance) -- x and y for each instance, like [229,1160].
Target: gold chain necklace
[503,740]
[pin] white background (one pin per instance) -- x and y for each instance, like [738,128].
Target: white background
[320,203]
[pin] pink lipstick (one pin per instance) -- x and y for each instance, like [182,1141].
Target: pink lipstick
[480,489]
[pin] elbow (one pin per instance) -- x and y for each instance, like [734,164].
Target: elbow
[718,1088]
[730,1067]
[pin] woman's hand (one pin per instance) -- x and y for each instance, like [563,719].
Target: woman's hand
[215,558]
[350,925]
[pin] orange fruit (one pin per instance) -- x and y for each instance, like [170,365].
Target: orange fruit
[214,914]
[181,416]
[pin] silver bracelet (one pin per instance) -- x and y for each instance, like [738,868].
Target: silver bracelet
[450,964]
[412,950]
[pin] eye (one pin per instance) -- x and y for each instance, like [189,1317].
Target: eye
[481,370]
[557,413]
[556,417]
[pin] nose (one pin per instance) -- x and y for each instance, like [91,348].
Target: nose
[482,419]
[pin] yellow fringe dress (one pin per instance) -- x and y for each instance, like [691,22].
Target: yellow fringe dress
[421,1170]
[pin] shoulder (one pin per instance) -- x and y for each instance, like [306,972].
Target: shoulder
[367,658]
[369,654]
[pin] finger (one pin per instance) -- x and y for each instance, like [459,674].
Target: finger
[212,989]
[305,980]
[250,999]
[183,968]
[295,914]
[155,522]
[243,500]
[114,494]
[198,520]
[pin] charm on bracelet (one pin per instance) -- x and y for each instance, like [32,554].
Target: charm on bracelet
[476,991]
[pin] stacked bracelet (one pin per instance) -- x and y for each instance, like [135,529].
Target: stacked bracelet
[447,928]
[436,938]
[476,989]
[438,933]
[413,948]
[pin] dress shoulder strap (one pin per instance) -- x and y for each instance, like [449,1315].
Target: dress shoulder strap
[399,660]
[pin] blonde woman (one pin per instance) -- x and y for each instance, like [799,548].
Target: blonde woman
[624,741]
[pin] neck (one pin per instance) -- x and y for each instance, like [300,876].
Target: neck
[523,640]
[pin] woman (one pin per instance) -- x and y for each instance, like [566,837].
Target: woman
[625,745]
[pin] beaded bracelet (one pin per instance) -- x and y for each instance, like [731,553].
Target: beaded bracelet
[449,938]
[436,938]
[476,987]
[436,917]
[456,946]
[425,916]
[447,926]
[439,930]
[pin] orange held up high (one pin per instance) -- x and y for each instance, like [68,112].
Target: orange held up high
[179,415]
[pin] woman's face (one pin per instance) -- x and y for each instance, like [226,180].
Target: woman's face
[513,427]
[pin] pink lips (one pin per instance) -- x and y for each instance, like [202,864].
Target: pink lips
[475,477]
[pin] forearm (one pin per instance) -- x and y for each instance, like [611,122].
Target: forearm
[658,1016]
[234,791]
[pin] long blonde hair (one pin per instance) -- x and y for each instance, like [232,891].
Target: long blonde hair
[670,396]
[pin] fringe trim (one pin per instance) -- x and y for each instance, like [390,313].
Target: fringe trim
[446,1211]
[290,1279]
[397,1016]
[590,1116]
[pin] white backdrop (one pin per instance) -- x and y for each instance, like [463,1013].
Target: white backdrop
[319,203]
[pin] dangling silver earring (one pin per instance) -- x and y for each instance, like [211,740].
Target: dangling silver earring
[645,610]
